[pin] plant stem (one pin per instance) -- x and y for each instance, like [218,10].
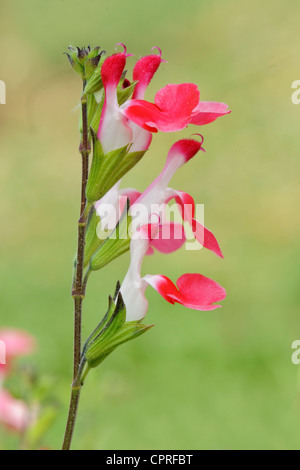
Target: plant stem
[77,289]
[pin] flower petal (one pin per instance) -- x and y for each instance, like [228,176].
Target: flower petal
[143,72]
[193,291]
[208,111]
[178,100]
[114,131]
[169,238]
[204,236]
[112,69]
[179,154]
[131,194]
[171,112]
[141,139]
[133,286]
[175,106]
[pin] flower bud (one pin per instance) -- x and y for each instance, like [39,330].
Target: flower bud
[85,61]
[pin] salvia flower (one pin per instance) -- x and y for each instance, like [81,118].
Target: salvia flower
[120,143]
[193,290]
[115,129]
[144,205]
[125,130]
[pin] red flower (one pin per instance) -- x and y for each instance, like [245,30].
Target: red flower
[174,108]
[193,290]
[171,236]
[115,130]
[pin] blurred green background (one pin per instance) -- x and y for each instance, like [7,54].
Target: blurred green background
[198,380]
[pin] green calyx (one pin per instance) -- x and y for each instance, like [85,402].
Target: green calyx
[125,93]
[106,170]
[93,74]
[111,332]
[92,241]
[85,61]
[117,243]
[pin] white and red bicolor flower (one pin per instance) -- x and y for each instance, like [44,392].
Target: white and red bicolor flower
[174,108]
[192,290]
[158,193]
[156,198]
[115,129]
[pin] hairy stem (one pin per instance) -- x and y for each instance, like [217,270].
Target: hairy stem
[77,289]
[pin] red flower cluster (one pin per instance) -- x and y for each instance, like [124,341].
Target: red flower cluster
[132,124]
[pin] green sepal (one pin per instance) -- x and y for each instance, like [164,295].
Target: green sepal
[93,188]
[94,123]
[74,60]
[101,177]
[84,60]
[117,243]
[93,109]
[99,328]
[92,241]
[90,66]
[111,333]
[93,74]
[127,163]
[107,170]
[125,93]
